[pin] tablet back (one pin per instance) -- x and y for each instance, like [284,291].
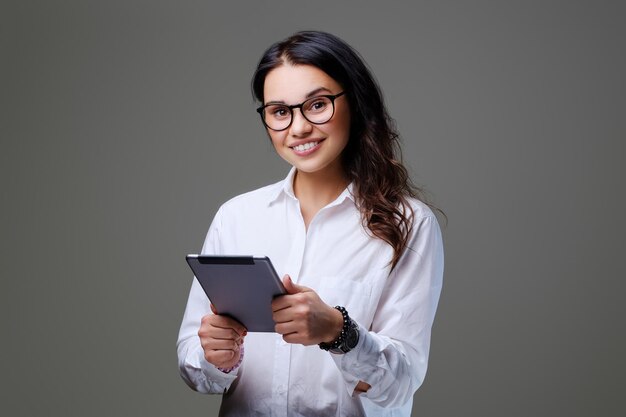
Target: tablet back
[239,286]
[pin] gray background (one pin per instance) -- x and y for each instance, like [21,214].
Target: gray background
[125,124]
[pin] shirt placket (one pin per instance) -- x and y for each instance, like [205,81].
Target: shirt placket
[282,351]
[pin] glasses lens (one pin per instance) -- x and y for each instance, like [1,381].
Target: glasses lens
[277,116]
[318,109]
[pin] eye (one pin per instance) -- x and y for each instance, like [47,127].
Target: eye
[277,112]
[317,105]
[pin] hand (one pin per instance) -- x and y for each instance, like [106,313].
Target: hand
[221,338]
[302,317]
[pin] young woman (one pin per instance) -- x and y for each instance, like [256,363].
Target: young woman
[361,254]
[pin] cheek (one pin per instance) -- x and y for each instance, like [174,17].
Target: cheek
[343,130]
[343,127]
[277,139]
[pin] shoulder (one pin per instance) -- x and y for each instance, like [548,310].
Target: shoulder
[421,211]
[425,240]
[425,227]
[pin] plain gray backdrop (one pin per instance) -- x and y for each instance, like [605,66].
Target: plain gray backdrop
[125,124]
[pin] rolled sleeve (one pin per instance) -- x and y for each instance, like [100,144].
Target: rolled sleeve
[199,374]
[392,355]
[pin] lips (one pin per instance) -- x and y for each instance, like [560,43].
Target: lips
[305,146]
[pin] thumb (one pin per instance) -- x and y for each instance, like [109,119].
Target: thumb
[213,309]
[291,287]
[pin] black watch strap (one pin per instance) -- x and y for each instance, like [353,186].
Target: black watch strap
[347,339]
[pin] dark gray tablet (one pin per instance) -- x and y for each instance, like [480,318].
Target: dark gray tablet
[240,286]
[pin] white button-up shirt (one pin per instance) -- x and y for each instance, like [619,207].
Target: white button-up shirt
[345,265]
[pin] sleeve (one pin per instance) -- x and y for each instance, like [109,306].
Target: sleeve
[200,375]
[392,355]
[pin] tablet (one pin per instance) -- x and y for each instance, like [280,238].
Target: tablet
[240,286]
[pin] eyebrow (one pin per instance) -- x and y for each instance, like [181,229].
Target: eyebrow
[309,95]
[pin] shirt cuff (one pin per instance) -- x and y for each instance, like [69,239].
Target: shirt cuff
[213,376]
[367,362]
[360,363]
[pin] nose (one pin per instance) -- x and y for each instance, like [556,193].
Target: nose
[299,125]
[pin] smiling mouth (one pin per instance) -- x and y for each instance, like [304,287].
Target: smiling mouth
[305,146]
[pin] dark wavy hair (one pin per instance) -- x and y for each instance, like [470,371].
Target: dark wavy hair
[372,157]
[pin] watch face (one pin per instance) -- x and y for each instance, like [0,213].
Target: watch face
[352,338]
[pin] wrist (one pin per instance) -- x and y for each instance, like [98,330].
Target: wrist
[236,365]
[348,336]
[335,327]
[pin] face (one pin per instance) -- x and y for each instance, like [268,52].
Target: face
[311,148]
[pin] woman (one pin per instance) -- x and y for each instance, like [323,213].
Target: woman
[346,229]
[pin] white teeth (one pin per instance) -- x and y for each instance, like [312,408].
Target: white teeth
[305,146]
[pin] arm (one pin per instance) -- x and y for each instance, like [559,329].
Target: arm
[389,362]
[207,340]
[392,356]
[194,368]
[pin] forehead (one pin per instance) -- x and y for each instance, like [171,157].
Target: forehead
[292,83]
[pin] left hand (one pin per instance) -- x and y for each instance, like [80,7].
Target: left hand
[302,317]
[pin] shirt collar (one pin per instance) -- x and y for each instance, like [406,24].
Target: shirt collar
[286,189]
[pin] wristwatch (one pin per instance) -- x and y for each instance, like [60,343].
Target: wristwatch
[350,339]
[347,339]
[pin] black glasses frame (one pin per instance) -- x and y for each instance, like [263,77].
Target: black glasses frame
[331,97]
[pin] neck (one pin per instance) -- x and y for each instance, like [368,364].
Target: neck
[319,188]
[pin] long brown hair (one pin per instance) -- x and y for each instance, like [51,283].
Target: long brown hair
[372,158]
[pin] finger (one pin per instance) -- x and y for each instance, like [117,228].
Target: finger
[226,322]
[213,309]
[300,339]
[219,357]
[283,315]
[219,333]
[286,328]
[291,287]
[294,338]
[220,344]
[281,302]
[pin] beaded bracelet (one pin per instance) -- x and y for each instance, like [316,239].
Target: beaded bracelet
[339,340]
[235,366]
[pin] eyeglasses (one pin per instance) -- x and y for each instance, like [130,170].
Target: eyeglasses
[317,110]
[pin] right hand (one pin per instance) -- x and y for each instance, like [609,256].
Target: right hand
[221,338]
